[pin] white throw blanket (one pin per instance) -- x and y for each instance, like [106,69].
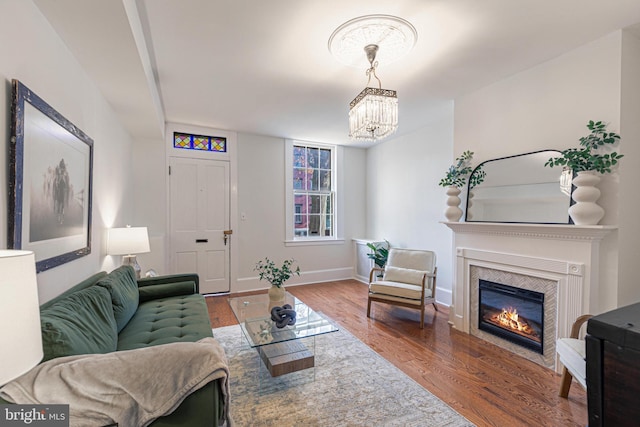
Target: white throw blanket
[131,388]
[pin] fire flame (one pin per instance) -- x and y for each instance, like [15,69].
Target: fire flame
[509,318]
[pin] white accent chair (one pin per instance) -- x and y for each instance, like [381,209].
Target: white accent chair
[409,280]
[573,355]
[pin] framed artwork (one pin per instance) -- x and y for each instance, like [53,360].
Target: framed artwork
[50,180]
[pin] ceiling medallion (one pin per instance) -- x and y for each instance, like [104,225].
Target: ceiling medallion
[394,36]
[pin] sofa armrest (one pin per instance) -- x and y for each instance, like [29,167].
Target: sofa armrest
[166,290]
[171,278]
[203,408]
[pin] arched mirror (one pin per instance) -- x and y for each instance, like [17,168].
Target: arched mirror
[519,189]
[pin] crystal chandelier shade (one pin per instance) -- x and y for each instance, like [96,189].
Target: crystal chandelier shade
[373,114]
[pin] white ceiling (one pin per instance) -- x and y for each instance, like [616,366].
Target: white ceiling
[262,66]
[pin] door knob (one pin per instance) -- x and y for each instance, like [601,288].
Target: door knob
[227,233]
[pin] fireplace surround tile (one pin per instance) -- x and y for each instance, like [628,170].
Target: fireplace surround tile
[546,286]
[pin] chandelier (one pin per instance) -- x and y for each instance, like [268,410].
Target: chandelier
[373,114]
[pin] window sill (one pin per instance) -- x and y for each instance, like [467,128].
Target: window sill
[313,242]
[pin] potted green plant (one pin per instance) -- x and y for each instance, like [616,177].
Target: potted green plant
[276,276]
[456,177]
[588,158]
[379,253]
[589,163]
[457,173]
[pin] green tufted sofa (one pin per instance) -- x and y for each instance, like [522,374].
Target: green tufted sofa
[111,312]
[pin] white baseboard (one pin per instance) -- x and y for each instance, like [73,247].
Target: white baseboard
[444,296]
[246,284]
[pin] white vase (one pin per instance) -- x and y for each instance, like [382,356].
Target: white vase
[453,212]
[276,293]
[585,211]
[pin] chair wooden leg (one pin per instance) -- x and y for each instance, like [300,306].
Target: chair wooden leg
[422,317]
[565,383]
[369,308]
[435,306]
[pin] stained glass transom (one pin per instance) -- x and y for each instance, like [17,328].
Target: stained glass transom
[199,142]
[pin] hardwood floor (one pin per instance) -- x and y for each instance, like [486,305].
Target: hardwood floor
[488,385]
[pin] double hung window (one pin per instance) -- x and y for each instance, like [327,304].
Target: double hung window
[313,191]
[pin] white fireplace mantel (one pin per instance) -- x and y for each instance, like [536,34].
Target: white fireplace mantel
[544,231]
[565,253]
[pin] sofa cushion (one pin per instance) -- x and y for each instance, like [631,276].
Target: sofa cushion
[572,354]
[86,283]
[397,289]
[403,275]
[166,320]
[166,290]
[121,284]
[82,323]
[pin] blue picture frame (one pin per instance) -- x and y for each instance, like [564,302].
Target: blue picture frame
[50,182]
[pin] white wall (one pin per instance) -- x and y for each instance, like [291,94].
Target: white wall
[413,163]
[544,107]
[548,106]
[629,197]
[34,54]
[261,198]
[404,202]
[150,201]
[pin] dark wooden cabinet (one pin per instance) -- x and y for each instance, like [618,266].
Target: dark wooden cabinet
[613,367]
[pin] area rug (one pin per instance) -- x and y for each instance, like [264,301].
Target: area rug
[351,385]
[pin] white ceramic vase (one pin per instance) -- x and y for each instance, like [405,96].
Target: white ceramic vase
[585,211]
[276,293]
[453,211]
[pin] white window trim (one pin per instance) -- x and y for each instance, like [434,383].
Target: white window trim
[338,234]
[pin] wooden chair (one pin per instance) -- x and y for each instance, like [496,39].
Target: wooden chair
[409,280]
[572,355]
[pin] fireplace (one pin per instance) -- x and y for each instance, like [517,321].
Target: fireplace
[561,261]
[514,314]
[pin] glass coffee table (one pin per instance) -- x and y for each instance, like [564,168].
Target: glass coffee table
[281,349]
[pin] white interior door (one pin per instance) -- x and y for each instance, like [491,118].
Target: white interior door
[200,221]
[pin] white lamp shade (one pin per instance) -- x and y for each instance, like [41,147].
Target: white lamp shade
[128,241]
[20,332]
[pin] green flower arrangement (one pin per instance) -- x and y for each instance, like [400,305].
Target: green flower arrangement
[586,158]
[379,253]
[457,173]
[477,177]
[268,271]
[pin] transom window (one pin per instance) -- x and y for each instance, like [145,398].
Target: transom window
[188,141]
[313,191]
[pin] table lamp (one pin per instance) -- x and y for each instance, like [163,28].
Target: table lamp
[20,332]
[128,241]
